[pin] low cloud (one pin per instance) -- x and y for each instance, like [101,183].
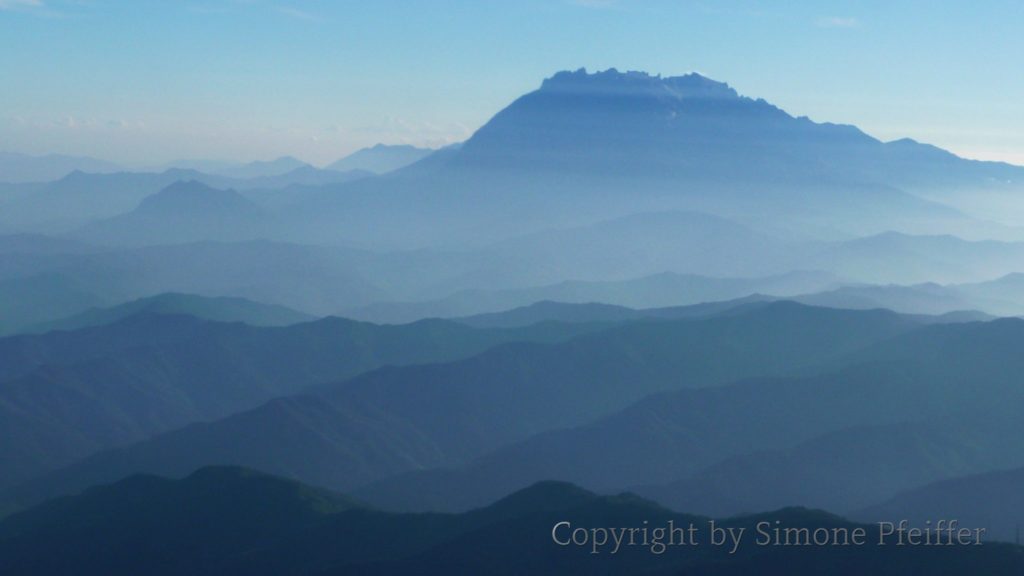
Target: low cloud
[20,4]
[296,13]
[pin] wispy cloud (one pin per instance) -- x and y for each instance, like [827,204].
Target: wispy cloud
[20,4]
[40,8]
[399,129]
[838,22]
[296,13]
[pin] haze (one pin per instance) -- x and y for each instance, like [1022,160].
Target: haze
[145,83]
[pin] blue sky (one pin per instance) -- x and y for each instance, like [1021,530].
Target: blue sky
[150,81]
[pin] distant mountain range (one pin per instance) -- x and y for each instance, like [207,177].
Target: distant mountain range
[222,309]
[79,276]
[621,283]
[925,405]
[80,198]
[999,297]
[180,213]
[381,158]
[19,168]
[44,280]
[263,168]
[68,394]
[658,290]
[549,311]
[718,184]
[993,500]
[232,521]
[566,154]
[396,420]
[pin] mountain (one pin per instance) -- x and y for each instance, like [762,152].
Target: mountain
[865,429]
[381,158]
[80,197]
[43,297]
[304,176]
[263,168]
[399,419]
[65,395]
[645,125]
[24,168]
[927,298]
[1001,296]
[547,311]
[848,469]
[214,512]
[38,244]
[312,279]
[221,309]
[585,148]
[665,289]
[180,213]
[639,245]
[232,521]
[691,125]
[899,258]
[993,500]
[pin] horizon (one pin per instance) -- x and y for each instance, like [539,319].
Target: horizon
[185,163]
[252,80]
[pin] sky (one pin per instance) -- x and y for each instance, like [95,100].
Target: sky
[144,81]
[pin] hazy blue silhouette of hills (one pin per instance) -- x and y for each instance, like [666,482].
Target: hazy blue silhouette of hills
[549,311]
[313,279]
[848,469]
[531,195]
[381,158]
[398,419]
[893,257]
[222,309]
[658,290]
[303,176]
[644,125]
[233,521]
[81,197]
[17,168]
[994,500]
[932,403]
[184,212]
[68,394]
[41,297]
[586,147]
[928,298]
[263,168]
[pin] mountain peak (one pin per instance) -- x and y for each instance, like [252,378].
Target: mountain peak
[613,82]
[618,123]
[186,188]
[190,196]
[381,158]
[544,496]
